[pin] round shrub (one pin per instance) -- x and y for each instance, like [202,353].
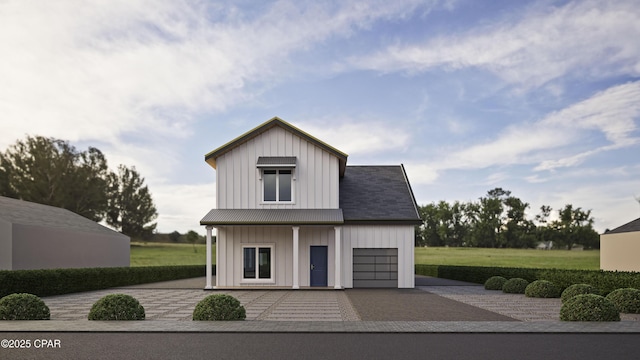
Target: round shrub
[117,307]
[219,307]
[515,286]
[542,289]
[495,283]
[23,307]
[577,289]
[626,300]
[589,307]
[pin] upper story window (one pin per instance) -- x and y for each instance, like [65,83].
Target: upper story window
[277,185]
[277,174]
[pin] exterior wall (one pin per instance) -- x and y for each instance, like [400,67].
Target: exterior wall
[316,173]
[6,243]
[229,253]
[36,247]
[379,236]
[620,251]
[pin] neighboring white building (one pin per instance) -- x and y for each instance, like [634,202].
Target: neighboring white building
[620,248]
[36,236]
[290,213]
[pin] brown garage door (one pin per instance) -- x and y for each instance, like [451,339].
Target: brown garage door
[375,268]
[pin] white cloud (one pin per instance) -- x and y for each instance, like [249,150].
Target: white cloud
[104,70]
[584,38]
[555,140]
[356,137]
[181,207]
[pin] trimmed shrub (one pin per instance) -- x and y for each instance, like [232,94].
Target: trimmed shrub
[589,307]
[605,281]
[220,307]
[515,286]
[23,307]
[577,289]
[626,300]
[117,307]
[495,283]
[64,281]
[542,289]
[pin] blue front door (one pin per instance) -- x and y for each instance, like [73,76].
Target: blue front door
[318,266]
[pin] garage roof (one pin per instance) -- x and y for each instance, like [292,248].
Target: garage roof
[29,213]
[628,227]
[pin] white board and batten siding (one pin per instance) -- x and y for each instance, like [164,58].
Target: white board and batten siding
[238,184]
[400,237]
[230,241]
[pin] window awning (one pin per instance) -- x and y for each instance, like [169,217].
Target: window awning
[230,217]
[276,161]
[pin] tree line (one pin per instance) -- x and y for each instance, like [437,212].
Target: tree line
[499,220]
[52,172]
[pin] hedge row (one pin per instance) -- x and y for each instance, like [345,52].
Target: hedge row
[605,281]
[49,282]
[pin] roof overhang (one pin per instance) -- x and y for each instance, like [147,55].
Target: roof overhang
[247,217]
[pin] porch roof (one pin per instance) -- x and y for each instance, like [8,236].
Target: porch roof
[222,217]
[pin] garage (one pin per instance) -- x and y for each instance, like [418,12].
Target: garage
[375,268]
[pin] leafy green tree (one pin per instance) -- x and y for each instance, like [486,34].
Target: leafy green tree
[192,237]
[131,209]
[429,229]
[519,232]
[575,226]
[52,172]
[174,236]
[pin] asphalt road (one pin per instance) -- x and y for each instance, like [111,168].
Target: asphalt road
[320,346]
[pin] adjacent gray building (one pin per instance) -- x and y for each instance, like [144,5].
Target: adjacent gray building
[36,236]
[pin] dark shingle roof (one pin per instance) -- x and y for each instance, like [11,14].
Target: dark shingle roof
[30,213]
[377,194]
[628,227]
[273,217]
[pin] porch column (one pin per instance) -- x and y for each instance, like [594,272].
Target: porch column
[338,255]
[296,266]
[208,271]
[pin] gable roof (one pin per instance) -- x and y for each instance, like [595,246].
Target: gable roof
[628,227]
[33,214]
[210,158]
[377,194]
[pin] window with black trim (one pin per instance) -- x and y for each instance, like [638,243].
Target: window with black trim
[257,262]
[277,185]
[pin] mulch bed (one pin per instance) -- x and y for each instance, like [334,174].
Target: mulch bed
[414,305]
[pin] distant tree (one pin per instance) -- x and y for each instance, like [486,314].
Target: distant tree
[575,226]
[131,209]
[174,236]
[192,237]
[519,232]
[52,172]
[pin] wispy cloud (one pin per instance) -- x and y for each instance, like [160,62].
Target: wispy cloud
[582,38]
[555,140]
[358,137]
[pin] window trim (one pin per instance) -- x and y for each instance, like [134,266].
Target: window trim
[278,201]
[257,280]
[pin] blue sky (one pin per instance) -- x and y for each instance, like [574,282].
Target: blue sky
[538,97]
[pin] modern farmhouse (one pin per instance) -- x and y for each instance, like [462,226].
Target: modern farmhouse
[290,213]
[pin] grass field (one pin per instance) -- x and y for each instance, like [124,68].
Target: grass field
[156,254]
[559,259]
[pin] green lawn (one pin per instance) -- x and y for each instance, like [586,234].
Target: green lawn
[158,254]
[559,259]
